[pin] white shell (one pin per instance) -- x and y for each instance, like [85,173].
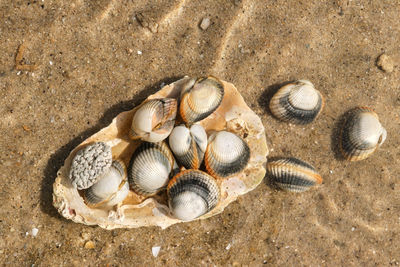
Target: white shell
[297,102]
[362,134]
[188,145]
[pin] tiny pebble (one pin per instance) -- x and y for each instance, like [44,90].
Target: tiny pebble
[205,23]
[228,247]
[89,245]
[353,228]
[34,231]
[155,250]
[330,171]
[139,52]
[52,119]
[385,63]
[51,63]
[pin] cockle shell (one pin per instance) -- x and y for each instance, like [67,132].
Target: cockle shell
[136,211]
[200,100]
[226,154]
[154,120]
[111,188]
[192,193]
[298,102]
[150,168]
[188,145]
[292,174]
[361,134]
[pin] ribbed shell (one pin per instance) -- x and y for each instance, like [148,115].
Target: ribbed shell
[191,194]
[111,188]
[292,174]
[188,146]
[361,134]
[90,164]
[154,120]
[226,154]
[298,103]
[199,101]
[150,168]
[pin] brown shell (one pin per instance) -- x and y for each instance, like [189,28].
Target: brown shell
[136,211]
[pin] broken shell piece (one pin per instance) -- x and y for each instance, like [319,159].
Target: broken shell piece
[90,164]
[135,210]
[192,193]
[154,120]
[111,189]
[226,154]
[298,102]
[188,146]
[292,174]
[361,134]
[199,101]
[150,168]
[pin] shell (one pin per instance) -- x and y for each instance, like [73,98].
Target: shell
[150,168]
[111,189]
[188,145]
[292,174]
[226,154]
[361,134]
[298,103]
[192,193]
[137,211]
[200,100]
[154,120]
[90,164]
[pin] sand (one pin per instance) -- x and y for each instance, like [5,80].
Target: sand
[80,63]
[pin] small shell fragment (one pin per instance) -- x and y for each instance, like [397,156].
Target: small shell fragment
[361,134]
[298,103]
[292,174]
[89,164]
[192,193]
[226,154]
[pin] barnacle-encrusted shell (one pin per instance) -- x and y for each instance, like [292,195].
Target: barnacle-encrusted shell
[292,174]
[154,120]
[232,115]
[188,145]
[298,102]
[112,187]
[150,168]
[201,100]
[192,193]
[89,164]
[362,134]
[226,154]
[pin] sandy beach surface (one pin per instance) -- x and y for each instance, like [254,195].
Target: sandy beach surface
[68,67]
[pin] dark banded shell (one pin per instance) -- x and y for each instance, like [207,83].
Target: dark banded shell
[361,134]
[200,100]
[154,120]
[188,145]
[292,174]
[150,168]
[298,103]
[111,189]
[191,194]
[226,154]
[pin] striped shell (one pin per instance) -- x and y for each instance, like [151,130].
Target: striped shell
[191,194]
[188,145]
[150,168]
[298,103]
[111,189]
[200,100]
[292,174]
[361,134]
[226,154]
[154,120]
[90,164]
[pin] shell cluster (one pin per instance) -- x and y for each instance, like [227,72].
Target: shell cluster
[194,160]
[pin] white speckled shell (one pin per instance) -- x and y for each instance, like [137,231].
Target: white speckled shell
[362,134]
[135,211]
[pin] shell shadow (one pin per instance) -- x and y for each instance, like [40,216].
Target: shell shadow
[268,93]
[335,136]
[56,160]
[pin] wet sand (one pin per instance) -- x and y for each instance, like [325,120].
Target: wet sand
[83,62]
